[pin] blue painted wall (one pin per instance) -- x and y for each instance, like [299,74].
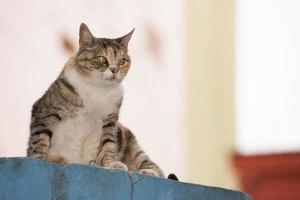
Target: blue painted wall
[32,179]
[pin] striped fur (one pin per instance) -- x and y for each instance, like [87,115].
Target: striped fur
[76,120]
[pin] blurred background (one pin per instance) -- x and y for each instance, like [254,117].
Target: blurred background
[212,94]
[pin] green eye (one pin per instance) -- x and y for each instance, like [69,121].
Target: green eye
[102,60]
[121,61]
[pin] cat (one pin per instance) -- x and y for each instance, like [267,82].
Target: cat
[76,120]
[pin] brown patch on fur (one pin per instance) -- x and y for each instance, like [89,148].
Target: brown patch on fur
[110,53]
[57,159]
[124,69]
[43,144]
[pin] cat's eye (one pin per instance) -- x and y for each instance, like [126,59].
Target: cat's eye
[121,61]
[102,60]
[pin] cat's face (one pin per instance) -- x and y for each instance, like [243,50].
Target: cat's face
[102,61]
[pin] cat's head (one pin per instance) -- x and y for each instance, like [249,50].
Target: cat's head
[102,61]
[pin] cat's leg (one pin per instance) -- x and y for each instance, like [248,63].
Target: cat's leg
[38,146]
[140,159]
[108,149]
[40,138]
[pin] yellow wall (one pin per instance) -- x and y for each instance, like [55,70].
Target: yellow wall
[210,120]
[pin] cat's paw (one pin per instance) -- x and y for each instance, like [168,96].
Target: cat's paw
[117,165]
[93,162]
[149,172]
[56,159]
[40,156]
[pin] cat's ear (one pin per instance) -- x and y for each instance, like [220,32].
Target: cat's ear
[124,40]
[85,36]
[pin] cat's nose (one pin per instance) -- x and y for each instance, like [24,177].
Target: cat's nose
[113,69]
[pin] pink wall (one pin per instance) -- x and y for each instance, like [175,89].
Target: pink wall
[32,55]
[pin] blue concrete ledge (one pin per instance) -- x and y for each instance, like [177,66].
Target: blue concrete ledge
[33,179]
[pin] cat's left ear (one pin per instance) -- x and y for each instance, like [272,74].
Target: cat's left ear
[85,36]
[124,40]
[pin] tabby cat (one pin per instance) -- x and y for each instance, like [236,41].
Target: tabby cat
[76,120]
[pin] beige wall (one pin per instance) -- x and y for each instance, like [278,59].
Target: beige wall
[210,120]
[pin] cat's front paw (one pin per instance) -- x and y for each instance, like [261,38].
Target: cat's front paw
[117,165]
[40,156]
[149,172]
[93,162]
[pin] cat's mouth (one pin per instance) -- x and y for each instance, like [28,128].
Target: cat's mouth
[113,77]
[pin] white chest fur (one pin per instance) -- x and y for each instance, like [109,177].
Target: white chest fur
[77,139]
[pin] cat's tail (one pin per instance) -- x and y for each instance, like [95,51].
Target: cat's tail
[173,177]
